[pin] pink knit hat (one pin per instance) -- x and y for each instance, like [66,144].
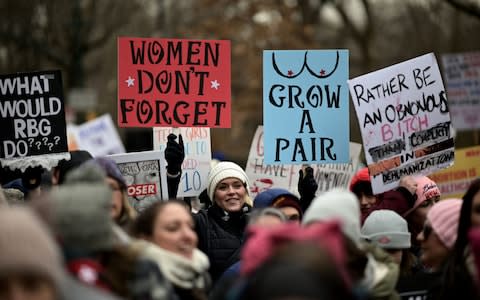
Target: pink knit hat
[426,189]
[444,217]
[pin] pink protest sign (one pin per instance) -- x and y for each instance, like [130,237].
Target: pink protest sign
[173,83]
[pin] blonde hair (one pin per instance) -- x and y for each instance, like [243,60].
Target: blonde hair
[248,199]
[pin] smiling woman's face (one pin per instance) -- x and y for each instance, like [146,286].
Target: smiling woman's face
[230,194]
[173,230]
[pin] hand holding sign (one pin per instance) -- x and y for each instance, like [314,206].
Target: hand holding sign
[174,154]
[307,186]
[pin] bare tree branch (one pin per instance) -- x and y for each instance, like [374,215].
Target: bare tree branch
[23,40]
[356,33]
[468,7]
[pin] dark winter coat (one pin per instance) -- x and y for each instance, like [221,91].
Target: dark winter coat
[220,236]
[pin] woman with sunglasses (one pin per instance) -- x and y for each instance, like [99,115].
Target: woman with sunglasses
[460,274]
[436,240]
[439,233]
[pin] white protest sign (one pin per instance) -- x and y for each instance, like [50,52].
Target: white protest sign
[99,137]
[263,177]
[404,120]
[145,175]
[329,176]
[462,77]
[198,155]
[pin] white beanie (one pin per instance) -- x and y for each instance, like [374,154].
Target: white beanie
[222,170]
[336,204]
[386,229]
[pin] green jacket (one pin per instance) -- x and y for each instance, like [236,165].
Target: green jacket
[381,274]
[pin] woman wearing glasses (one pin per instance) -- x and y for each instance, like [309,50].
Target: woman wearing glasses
[436,239]
[439,233]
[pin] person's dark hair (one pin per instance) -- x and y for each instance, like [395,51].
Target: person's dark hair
[362,188]
[119,268]
[143,224]
[77,158]
[356,260]
[465,221]
[204,199]
[408,263]
[457,278]
[300,270]
[32,177]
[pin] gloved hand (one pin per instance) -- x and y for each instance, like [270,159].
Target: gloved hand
[174,154]
[307,187]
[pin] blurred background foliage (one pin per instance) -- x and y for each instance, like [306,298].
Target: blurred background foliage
[79,37]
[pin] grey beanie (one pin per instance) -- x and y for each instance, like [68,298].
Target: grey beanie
[81,210]
[386,229]
[336,204]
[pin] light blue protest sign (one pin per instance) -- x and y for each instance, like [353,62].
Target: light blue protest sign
[305,106]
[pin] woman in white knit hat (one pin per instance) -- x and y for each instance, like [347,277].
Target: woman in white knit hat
[220,228]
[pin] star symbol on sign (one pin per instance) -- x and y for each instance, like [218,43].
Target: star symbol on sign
[130,81]
[215,84]
[322,72]
[290,72]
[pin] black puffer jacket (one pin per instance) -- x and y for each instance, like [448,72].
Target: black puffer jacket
[220,236]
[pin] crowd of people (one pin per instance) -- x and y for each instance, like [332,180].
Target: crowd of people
[71,233]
